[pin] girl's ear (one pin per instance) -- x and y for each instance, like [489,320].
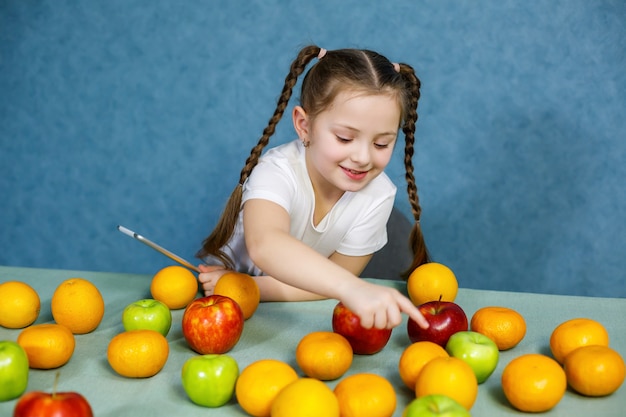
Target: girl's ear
[301,123]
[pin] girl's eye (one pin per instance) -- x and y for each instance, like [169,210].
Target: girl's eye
[344,140]
[381,145]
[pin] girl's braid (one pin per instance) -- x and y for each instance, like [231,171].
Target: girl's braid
[219,237]
[416,239]
[297,68]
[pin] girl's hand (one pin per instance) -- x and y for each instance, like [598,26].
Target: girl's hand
[381,307]
[208,277]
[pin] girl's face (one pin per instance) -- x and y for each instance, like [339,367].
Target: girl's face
[350,143]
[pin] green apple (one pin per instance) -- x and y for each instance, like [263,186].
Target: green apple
[13,370]
[477,350]
[435,405]
[147,314]
[209,380]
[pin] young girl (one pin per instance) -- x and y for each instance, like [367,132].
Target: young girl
[307,216]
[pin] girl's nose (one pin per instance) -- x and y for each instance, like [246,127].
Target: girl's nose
[360,154]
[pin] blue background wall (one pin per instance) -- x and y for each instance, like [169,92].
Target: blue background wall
[142,112]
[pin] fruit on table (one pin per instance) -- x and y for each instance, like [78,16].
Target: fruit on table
[212,324]
[445,318]
[435,405]
[78,305]
[242,288]
[413,359]
[147,314]
[477,350]
[575,333]
[209,380]
[60,404]
[19,305]
[533,383]
[448,376]
[47,345]
[305,397]
[505,326]
[175,286]
[594,370]
[324,355]
[55,404]
[260,382]
[430,282]
[363,341]
[365,395]
[13,370]
[138,353]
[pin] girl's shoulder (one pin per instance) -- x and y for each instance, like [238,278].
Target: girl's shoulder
[289,151]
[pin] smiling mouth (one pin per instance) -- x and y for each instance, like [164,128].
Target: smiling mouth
[354,174]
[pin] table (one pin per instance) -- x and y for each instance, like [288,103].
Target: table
[275,330]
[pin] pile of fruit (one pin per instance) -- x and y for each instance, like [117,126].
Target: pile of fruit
[77,308]
[444,365]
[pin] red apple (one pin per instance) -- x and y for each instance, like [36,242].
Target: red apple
[444,317]
[60,404]
[363,341]
[212,324]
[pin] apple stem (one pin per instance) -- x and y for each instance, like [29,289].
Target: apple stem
[56,382]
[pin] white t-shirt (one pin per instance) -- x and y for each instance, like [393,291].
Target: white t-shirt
[355,226]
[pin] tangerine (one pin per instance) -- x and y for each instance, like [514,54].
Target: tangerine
[505,326]
[448,376]
[47,345]
[414,357]
[305,397]
[259,384]
[575,333]
[533,383]
[365,395]
[432,281]
[19,305]
[242,288]
[138,353]
[78,305]
[594,370]
[175,286]
[324,355]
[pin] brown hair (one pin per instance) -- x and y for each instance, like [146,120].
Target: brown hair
[339,70]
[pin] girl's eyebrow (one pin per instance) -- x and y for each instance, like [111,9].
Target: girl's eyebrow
[357,130]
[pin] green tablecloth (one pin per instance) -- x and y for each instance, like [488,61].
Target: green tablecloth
[275,330]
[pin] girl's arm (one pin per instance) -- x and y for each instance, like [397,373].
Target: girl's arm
[295,264]
[275,290]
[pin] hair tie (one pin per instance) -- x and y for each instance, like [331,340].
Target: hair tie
[321,53]
[396,66]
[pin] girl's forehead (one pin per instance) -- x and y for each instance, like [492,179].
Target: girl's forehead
[369,111]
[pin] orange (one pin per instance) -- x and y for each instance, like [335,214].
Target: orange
[175,286]
[594,370]
[78,304]
[47,345]
[533,383]
[242,288]
[365,395]
[305,397]
[324,355]
[259,384]
[575,333]
[19,305]
[448,376]
[414,357]
[505,326]
[430,281]
[138,353]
